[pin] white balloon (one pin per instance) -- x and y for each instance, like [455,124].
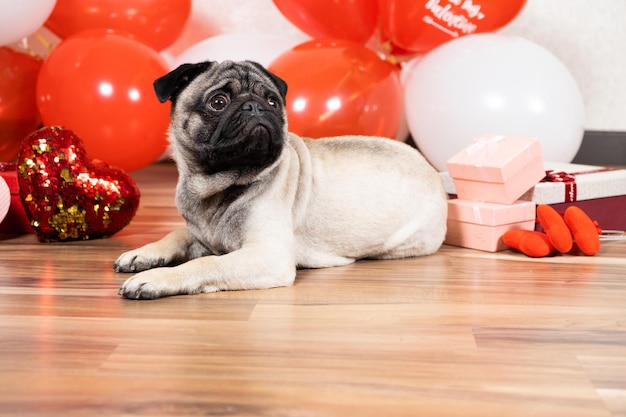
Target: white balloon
[492,84]
[262,48]
[20,18]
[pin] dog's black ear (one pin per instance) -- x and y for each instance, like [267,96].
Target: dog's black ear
[280,83]
[169,86]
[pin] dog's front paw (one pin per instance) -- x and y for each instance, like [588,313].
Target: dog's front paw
[151,284]
[138,260]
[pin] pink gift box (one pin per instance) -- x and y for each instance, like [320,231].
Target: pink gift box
[497,169]
[479,225]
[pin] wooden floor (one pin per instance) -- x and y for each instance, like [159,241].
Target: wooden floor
[459,333]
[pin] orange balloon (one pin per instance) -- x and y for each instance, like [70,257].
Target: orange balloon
[420,25]
[353,20]
[338,87]
[99,84]
[157,23]
[18,108]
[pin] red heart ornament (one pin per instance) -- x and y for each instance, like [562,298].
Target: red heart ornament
[66,196]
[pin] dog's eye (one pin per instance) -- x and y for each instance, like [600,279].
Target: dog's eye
[219,101]
[272,101]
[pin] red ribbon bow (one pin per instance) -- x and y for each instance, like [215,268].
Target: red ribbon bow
[569,179]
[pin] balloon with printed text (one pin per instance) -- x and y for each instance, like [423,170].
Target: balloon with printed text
[418,26]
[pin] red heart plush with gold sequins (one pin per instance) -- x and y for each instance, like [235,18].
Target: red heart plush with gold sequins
[66,195]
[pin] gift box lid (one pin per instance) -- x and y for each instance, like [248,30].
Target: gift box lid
[490,214]
[494,158]
[566,183]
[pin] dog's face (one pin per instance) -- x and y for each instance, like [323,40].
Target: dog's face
[227,116]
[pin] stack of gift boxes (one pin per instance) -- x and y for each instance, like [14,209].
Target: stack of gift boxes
[489,177]
[499,180]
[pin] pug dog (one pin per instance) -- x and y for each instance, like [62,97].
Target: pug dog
[260,202]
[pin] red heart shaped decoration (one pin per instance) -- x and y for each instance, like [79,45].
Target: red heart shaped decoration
[66,196]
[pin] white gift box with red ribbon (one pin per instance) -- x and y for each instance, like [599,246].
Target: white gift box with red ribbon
[568,183]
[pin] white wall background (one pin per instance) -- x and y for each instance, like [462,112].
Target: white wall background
[589,37]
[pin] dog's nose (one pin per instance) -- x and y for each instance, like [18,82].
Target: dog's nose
[253,107]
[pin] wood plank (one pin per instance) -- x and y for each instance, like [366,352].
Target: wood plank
[461,332]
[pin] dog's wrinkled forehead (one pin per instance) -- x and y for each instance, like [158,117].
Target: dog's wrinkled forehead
[237,76]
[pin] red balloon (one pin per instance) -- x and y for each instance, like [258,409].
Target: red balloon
[99,84]
[353,20]
[420,25]
[338,87]
[157,23]
[18,107]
